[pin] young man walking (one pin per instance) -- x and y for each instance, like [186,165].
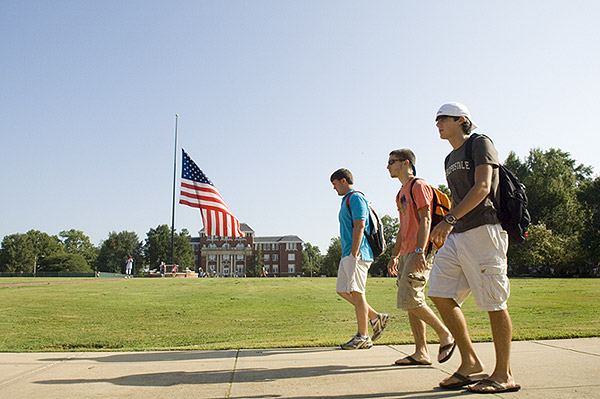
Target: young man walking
[473,255]
[412,259]
[357,257]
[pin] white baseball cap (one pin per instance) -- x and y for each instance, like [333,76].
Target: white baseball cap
[456,109]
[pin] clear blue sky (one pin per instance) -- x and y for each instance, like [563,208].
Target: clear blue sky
[272,97]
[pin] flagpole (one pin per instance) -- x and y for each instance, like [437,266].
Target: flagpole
[174,181]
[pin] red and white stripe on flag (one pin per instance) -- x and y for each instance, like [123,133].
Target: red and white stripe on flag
[198,191]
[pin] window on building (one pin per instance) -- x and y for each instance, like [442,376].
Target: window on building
[275,268]
[267,247]
[226,257]
[240,257]
[239,246]
[267,257]
[212,258]
[291,256]
[268,268]
[275,256]
[290,246]
[226,246]
[212,246]
[275,246]
[291,268]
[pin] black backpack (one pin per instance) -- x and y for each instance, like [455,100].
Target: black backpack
[512,209]
[375,238]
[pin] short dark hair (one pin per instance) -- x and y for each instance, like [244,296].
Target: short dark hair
[404,153]
[342,173]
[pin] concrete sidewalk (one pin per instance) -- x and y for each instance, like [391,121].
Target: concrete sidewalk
[544,369]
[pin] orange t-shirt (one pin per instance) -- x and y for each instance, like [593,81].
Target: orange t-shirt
[409,218]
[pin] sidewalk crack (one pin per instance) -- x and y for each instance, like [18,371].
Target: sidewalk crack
[565,348]
[228,394]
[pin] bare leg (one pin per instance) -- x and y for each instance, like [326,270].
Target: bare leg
[502,335]
[364,311]
[426,314]
[456,323]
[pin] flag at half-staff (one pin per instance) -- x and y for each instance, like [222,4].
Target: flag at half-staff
[198,191]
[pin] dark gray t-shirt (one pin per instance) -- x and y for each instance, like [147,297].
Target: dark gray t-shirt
[460,173]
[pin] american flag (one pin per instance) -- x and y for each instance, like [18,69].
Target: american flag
[198,191]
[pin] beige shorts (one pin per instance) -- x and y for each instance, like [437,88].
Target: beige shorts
[411,284]
[473,261]
[352,274]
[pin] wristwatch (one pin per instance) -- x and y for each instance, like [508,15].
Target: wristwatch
[419,250]
[450,219]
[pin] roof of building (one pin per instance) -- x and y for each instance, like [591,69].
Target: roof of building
[277,239]
[243,226]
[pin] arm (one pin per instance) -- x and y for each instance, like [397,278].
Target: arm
[393,263]
[357,236]
[477,193]
[422,237]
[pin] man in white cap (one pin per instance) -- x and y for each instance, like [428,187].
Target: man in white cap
[473,255]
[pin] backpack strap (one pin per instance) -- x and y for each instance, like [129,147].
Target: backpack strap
[469,156]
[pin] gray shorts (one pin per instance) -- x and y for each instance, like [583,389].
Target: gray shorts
[473,261]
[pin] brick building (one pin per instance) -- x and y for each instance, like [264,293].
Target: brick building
[232,256]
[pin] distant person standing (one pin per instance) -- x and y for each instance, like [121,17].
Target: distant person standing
[473,256]
[411,260]
[128,267]
[357,257]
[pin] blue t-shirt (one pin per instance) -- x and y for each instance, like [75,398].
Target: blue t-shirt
[360,211]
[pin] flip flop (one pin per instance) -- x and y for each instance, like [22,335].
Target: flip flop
[451,346]
[411,362]
[462,381]
[497,387]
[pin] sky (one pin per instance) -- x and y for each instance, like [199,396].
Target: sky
[272,97]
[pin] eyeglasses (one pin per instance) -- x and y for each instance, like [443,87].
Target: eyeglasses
[391,161]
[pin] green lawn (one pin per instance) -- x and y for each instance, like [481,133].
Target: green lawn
[161,314]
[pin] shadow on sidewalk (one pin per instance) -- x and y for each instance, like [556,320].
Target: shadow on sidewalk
[224,376]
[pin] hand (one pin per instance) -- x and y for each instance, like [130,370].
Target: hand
[440,233]
[420,262]
[393,266]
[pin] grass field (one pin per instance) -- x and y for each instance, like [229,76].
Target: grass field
[161,314]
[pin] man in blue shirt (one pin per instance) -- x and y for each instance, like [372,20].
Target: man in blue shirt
[357,257]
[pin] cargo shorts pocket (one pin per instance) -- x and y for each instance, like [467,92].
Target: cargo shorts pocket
[495,286]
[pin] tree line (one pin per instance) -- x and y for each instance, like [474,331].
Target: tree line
[564,235]
[72,251]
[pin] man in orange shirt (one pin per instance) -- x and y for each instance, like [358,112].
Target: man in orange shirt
[411,261]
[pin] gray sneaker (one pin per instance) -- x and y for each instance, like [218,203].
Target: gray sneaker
[358,343]
[379,325]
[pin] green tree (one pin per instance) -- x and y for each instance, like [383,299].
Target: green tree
[589,241]
[331,260]
[22,252]
[552,179]
[311,259]
[76,242]
[390,230]
[158,248]
[64,262]
[553,182]
[115,250]
[257,262]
